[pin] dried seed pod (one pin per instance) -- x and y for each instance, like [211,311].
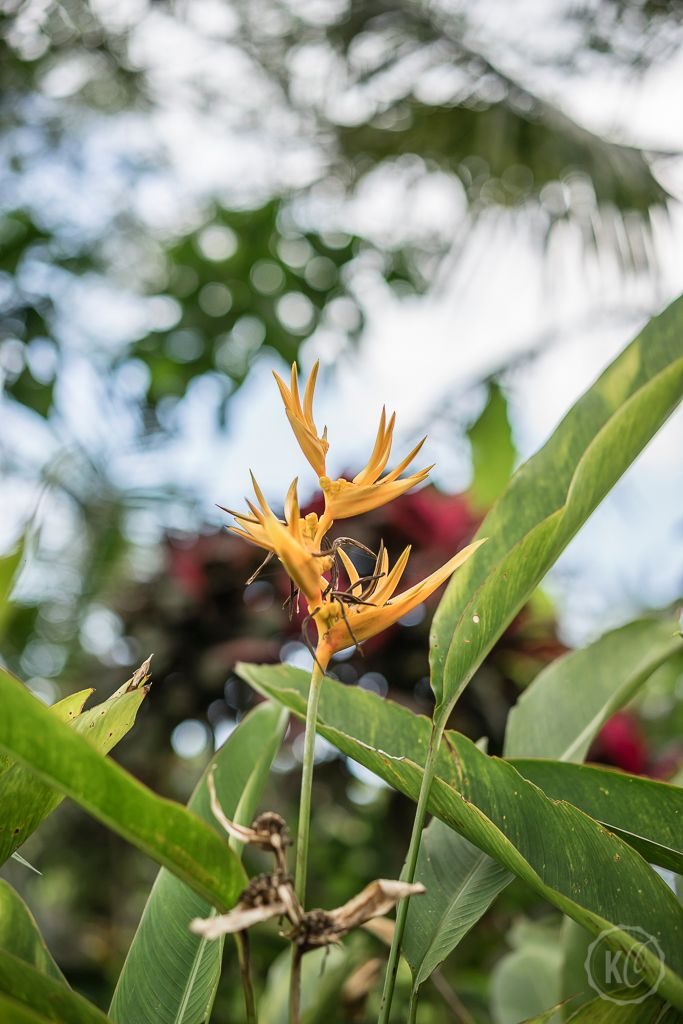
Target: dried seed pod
[316,929]
[266,896]
[326,927]
[268,831]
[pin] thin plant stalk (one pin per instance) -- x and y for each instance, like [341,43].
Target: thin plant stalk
[295,988]
[461,1015]
[242,942]
[412,1009]
[307,778]
[301,866]
[408,873]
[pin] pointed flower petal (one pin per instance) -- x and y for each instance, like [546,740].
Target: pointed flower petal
[293,541]
[375,900]
[314,446]
[238,920]
[360,622]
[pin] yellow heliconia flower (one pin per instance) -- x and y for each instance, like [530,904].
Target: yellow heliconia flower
[369,489]
[294,541]
[343,623]
[300,417]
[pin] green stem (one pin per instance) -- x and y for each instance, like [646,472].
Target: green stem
[412,1009]
[317,676]
[295,988]
[409,871]
[242,941]
[307,779]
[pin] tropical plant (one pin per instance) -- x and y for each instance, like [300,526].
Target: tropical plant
[589,842]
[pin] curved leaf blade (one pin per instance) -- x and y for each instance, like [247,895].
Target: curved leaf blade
[603,1011]
[567,704]
[25,801]
[551,496]
[49,998]
[12,1012]
[66,710]
[648,815]
[461,882]
[163,829]
[595,878]
[621,661]
[493,450]
[170,975]
[20,935]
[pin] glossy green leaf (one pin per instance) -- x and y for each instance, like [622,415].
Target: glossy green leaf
[528,978]
[66,710]
[25,800]
[163,829]
[561,712]
[170,975]
[48,997]
[493,450]
[648,815]
[567,704]
[564,855]
[551,496]
[461,881]
[20,936]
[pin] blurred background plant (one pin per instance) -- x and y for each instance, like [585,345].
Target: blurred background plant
[459,213]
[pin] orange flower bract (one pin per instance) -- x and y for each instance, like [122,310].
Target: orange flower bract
[340,627]
[300,418]
[341,617]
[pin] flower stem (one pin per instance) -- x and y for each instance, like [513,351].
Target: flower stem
[300,870]
[307,778]
[295,988]
[408,873]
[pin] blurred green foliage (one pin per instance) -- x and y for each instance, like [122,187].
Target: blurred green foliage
[407,90]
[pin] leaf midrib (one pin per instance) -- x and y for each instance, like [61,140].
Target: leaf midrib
[449,907]
[558,510]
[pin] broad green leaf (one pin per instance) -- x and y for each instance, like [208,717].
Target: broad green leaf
[564,855]
[616,1010]
[48,997]
[528,978]
[572,708]
[25,800]
[462,882]
[648,815]
[551,496]
[170,975]
[161,828]
[12,1012]
[20,936]
[567,704]
[66,710]
[493,450]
